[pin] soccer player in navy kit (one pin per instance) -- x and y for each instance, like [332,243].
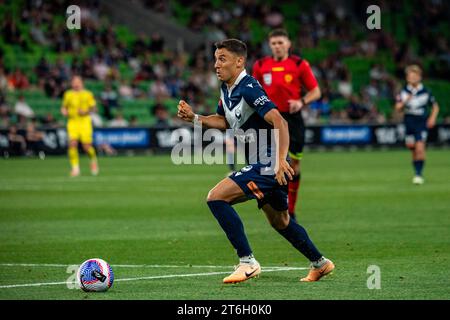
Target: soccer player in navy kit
[244,105]
[415,99]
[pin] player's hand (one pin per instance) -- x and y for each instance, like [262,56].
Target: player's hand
[64,112]
[408,99]
[185,111]
[82,113]
[431,122]
[295,105]
[282,168]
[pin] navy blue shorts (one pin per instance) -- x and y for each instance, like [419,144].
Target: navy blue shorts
[416,129]
[262,187]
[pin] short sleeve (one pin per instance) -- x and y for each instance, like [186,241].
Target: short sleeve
[256,98]
[431,99]
[91,100]
[65,100]
[220,108]
[307,77]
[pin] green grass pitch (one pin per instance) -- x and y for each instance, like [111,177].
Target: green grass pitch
[148,218]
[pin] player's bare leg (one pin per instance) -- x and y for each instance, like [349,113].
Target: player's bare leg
[74,158]
[293,187]
[219,200]
[89,149]
[282,222]
[418,161]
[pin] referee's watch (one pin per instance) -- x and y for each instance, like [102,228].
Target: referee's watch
[303,101]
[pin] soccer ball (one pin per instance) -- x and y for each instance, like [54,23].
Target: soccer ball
[95,275]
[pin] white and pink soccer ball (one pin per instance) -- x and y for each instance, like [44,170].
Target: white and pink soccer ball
[95,275]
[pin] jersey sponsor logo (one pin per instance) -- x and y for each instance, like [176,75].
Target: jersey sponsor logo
[288,78]
[278,69]
[267,78]
[261,101]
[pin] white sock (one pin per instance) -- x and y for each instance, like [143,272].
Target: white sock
[319,263]
[248,259]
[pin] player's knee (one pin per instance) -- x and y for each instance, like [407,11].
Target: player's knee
[279,221]
[213,195]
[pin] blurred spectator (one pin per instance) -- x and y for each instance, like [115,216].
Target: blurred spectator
[109,100]
[49,121]
[374,116]
[355,110]
[97,121]
[3,82]
[5,114]
[345,87]
[156,43]
[133,121]
[22,108]
[35,141]
[101,69]
[158,90]
[118,121]
[17,143]
[18,80]
[161,115]
[125,90]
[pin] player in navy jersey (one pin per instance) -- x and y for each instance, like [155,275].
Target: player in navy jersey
[415,100]
[245,107]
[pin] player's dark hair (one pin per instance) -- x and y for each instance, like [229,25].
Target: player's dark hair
[279,33]
[233,45]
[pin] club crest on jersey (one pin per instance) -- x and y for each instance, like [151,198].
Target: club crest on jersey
[247,168]
[288,78]
[237,113]
[267,78]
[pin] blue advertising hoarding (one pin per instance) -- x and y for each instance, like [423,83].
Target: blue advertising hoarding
[345,135]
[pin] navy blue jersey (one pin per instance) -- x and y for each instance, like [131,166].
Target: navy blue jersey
[420,103]
[244,106]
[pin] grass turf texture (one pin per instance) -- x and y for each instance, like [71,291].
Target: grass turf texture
[360,208]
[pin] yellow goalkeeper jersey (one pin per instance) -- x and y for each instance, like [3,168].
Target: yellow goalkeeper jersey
[74,101]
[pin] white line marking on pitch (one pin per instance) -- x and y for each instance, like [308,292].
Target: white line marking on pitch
[151,277]
[55,265]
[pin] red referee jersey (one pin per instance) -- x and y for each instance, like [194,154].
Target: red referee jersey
[284,80]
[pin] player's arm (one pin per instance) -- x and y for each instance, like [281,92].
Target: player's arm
[64,110]
[91,106]
[431,122]
[309,81]
[216,121]
[400,103]
[280,125]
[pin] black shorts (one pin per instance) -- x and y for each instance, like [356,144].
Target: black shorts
[296,134]
[416,129]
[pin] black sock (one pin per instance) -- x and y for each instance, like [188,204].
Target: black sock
[418,166]
[232,225]
[298,237]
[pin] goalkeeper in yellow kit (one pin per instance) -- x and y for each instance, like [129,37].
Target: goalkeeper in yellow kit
[77,105]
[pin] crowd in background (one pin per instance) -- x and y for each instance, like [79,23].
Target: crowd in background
[191,76]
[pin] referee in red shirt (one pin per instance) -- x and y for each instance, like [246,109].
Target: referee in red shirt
[284,77]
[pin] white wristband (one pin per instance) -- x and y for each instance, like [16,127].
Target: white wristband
[196,119]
